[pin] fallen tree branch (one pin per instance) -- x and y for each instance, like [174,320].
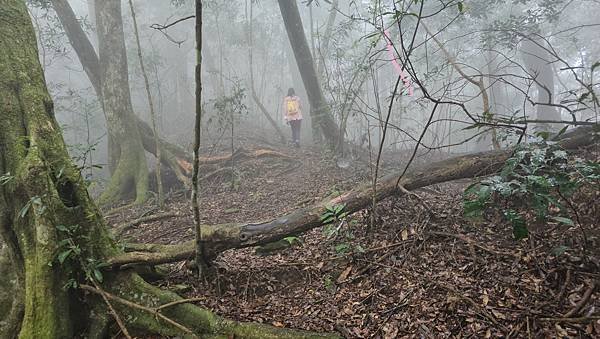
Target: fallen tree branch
[228,236]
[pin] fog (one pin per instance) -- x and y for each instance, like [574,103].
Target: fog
[299,169]
[471,75]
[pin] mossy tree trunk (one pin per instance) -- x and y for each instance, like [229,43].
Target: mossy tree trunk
[127,156]
[171,155]
[42,195]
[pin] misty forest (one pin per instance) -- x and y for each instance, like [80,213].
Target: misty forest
[299,169]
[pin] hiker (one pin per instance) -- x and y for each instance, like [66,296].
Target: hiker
[293,115]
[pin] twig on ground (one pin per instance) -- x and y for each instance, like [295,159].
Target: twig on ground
[584,300]
[579,320]
[563,289]
[418,197]
[481,310]
[114,313]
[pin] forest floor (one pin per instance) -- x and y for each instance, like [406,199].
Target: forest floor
[421,271]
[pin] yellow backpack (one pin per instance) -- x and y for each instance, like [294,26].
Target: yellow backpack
[293,106]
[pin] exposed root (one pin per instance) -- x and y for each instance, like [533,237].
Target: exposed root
[242,153]
[219,172]
[105,295]
[148,309]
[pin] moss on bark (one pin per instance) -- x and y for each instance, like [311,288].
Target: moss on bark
[127,155]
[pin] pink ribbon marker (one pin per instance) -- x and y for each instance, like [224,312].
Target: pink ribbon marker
[402,73]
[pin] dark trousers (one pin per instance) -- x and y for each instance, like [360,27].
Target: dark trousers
[295,124]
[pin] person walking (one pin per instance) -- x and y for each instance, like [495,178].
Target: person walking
[293,115]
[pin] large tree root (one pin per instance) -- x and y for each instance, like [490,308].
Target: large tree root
[138,303]
[222,237]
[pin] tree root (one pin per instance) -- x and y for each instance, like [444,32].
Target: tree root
[148,309]
[218,172]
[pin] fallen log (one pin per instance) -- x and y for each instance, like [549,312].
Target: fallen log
[229,236]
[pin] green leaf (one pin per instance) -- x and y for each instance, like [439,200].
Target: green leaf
[520,231]
[562,131]
[328,220]
[62,256]
[25,209]
[461,7]
[292,240]
[98,275]
[563,220]
[341,248]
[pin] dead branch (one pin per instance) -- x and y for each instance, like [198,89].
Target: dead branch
[584,300]
[112,310]
[563,290]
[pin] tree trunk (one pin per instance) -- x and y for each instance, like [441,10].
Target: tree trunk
[151,106]
[538,64]
[45,211]
[228,236]
[127,150]
[324,46]
[172,155]
[320,110]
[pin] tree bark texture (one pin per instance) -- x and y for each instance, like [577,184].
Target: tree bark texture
[172,155]
[127,150]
